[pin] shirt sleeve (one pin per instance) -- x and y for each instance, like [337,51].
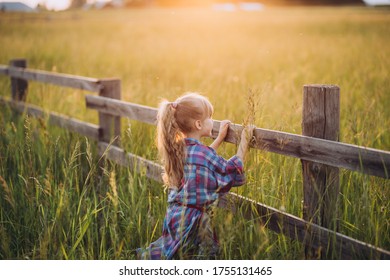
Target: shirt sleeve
[229,173]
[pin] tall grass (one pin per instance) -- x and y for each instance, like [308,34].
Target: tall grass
[58,200]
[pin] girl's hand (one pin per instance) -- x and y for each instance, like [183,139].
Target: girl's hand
[246,137]
[247,134]
[223,129]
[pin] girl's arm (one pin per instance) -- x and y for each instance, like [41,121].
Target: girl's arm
[246,136]
[223,129]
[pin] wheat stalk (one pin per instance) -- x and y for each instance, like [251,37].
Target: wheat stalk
[7,193]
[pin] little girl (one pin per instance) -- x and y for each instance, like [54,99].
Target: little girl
[195,176]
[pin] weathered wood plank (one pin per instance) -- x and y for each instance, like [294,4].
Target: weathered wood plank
[19,87]
[66,80]
[320,119]
[83,128]
[351,157]
[122,109]
[3,69]
[149,168]
[110,125]
[356,158]
[273,219]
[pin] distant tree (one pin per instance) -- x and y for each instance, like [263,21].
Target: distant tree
[41,7]
[76,4]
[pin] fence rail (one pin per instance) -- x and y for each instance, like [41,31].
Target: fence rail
[351,157]
[72,81]
[4,70]
[329,153]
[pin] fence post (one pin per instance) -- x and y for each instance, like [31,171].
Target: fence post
[110,126]
[321,119]
[18,86]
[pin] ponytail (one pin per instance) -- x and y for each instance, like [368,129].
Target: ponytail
[170,144]
[174,121]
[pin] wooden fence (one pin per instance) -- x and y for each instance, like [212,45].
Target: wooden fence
[318,149]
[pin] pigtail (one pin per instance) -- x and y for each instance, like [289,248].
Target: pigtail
[170,144]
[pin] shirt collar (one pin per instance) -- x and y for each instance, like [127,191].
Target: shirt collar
[192,141]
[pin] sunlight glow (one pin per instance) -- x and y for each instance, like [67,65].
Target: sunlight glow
[57,4]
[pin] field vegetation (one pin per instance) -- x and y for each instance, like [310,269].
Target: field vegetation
[59,200]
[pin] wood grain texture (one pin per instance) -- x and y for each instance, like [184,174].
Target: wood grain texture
[4,69]
[19,87]
[143,166]
[119,108]
[320,119]
[110,125]
[356,158]
[72,81]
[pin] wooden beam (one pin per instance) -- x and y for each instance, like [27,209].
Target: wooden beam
[19,86]
[351,157]
[320,119]
[83,128]
[122,109]
[149,168]
[110,125]
[275,220]
[356,158]
[79,82]
[4,70]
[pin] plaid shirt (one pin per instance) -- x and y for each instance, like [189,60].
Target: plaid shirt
[187,224]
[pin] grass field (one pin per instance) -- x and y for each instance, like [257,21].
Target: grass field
[50,180]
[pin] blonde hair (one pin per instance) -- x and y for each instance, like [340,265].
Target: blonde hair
[174,120]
